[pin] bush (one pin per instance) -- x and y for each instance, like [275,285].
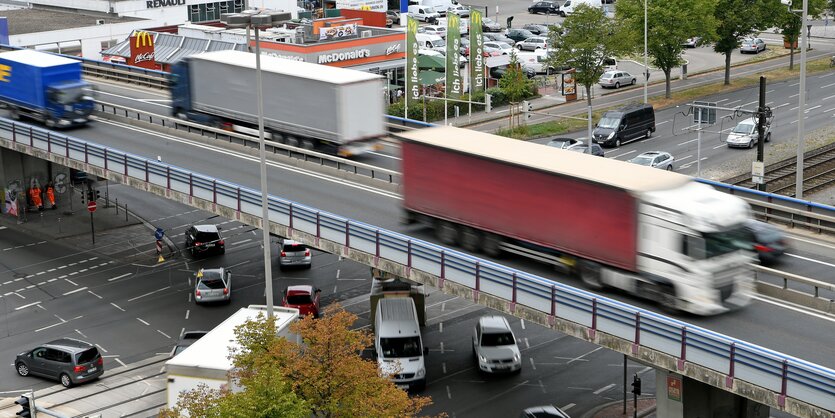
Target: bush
[435,106]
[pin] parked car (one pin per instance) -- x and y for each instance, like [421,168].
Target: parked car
[460,10]
[488,25]
[188,338]
[533,43]
[304,298]
[435,30]
[294,253]
[213,285]
[499,71]
[769,241]
[537,29]
[498,37]
[544,7]
[657,159]
[616,79]
[561,143]
[596,149]
[494,346]
[204,239]
[519,35]
[745,135]
[67,360]
[501,48]
[754,45]
[546,411]
[692,42]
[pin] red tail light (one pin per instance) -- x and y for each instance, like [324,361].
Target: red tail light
[79,369]
[100,361]
[225,290]
[227,126]
[197,243]
[220,242]
[307,253]
[283,254]
[762,248]
[196,293]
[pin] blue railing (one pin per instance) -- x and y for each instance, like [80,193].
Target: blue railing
[788,378]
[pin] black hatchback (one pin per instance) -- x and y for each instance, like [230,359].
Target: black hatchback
[546,7]
[67,360]
[203,239]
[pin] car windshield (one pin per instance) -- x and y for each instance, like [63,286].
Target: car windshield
[720,243]
[299,300]
[608,122]
[211,281]
[559,143]
[87,356]
[497,339]
[744,128]
[642,160]
[438,43]
[608,75]
[293,247]
[400,347]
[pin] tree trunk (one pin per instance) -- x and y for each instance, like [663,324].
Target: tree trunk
[728,68]
[667,92]
[791,56]
[588,94]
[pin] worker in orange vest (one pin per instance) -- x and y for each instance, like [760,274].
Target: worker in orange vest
[50,195]
[35,195]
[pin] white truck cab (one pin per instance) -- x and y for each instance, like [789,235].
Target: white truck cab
[398,345]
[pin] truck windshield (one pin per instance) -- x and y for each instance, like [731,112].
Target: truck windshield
[719,243]
[400,347]
[608,122]
[69,95]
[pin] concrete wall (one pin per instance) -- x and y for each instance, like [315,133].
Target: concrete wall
[699,400]
[20,171]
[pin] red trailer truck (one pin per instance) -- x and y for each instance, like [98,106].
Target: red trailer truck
[647,231]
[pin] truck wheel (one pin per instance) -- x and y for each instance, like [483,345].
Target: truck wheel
[13,113]
[446,232]
[292,141]
[49,122]
[309,144]
[590,275]
[492,245]
[469,238]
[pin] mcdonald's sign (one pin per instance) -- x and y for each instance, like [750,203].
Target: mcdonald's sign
[142,50]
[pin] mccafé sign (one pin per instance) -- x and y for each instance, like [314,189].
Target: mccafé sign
[142,50]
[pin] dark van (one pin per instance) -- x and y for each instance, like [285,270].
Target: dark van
[625,124]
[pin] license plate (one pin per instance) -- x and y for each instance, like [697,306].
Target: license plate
[404,387]
[210,245]
[92,369]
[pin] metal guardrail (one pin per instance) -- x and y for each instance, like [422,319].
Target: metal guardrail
[388,179]
[749,370]
[796,289]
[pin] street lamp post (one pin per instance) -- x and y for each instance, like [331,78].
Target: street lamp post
[646,66]
[256,20]
[801,107]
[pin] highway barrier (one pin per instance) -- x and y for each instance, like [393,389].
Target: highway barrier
[775,379]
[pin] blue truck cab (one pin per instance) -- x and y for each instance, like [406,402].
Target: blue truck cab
[44,87]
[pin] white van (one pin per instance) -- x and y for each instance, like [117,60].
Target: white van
[397,343]
[568,7]
[440,6]
[423,13]
[537,60]
[431,42]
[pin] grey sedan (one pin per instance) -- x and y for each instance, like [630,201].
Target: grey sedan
[657,159]
[596,150]
[213,285]
[616,79]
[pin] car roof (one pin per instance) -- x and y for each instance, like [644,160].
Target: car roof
[216,272]
[540,410]
[69,344]
[206,228]
[300,289]
[652,153]
[493,323]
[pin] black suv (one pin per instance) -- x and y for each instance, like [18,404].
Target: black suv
[203,239]
[537,29]
[547,7]
[519,35]
[68,360]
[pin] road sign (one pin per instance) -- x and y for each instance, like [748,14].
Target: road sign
[705,112]
[159,233]
[91,206]
[757,172]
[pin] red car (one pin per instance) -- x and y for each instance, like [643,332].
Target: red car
[304,298]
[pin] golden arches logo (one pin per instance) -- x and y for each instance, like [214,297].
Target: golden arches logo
[144,39]
[5,73]
[475,18]
[412,25]
[454,21]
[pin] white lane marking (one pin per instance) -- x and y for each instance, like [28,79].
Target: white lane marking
[828,85]
[26,306]
[76,290]
[661,123]
[148,101]
[187,312]
[625,153]
[522,323]
[812,108]
[142,321]
[828,97]
[732,102]
[72,282]
[440,326]
[829,110]
[581,357]
[149,293]
[448,392]
[241,242]
[120,362]
[604,388]
[795,84]
[91,292]
[166,335]
[720,146]
[398,158]
[687,142]
[117,307]
[811,259]
[81,334]
[569,406]
[119,277]
[443,367]
[226,152]
[793,307]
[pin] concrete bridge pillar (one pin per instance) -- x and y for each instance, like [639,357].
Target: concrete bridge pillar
[681,397]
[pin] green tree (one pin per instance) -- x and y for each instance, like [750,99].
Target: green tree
[669,24]
[515,85]
[737,19]
[587,37]
[789,25]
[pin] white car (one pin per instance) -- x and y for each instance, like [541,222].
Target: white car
[435,30]
[657,159]
[494,346]
[502,47]
[460,10]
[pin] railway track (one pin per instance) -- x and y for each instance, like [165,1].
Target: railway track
[780,177]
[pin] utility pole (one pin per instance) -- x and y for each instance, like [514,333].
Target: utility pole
[761,121]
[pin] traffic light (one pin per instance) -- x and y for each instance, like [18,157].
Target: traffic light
[636,385]
[488,102]
[25,407]
[527,107]
[98,196]
[91,196]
